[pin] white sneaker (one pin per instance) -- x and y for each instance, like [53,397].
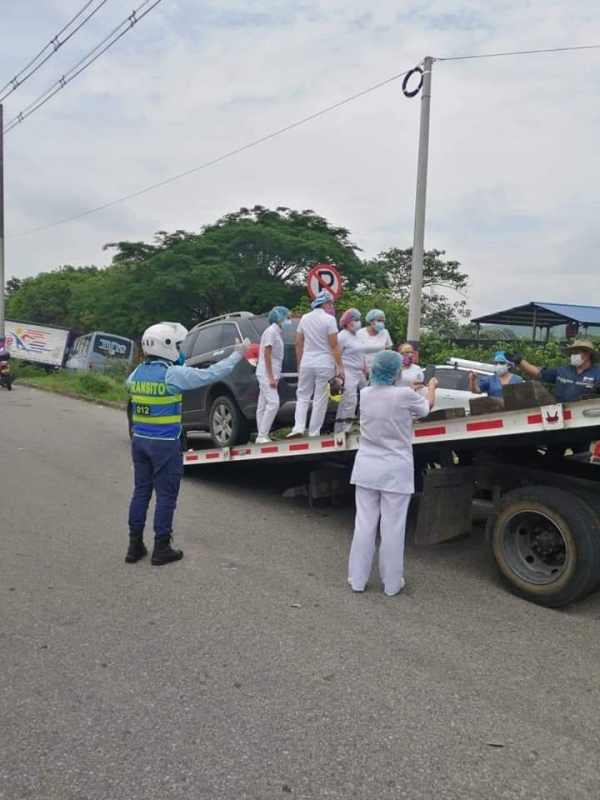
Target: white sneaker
[295,434]
[263,440]
[393,594]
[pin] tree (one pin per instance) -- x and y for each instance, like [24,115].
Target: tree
[392,270]
[12,286]
[47,298]
[251,260]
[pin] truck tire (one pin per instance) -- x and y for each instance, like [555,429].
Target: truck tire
[546,544]
[228,426]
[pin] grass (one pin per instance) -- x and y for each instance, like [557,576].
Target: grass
[108,388]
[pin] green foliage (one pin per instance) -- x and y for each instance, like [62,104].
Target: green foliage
[117,369]
[391,271]
[82,384]
[435,350]
[250,260]
[49,297]
[20,369]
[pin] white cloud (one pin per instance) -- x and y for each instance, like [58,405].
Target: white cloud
[513,170]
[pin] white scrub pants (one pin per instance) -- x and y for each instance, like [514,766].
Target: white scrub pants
[348,403]
[267,408]
[312,384]
[386,510]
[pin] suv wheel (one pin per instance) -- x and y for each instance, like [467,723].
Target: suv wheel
[228,426]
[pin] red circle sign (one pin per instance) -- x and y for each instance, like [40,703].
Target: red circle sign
[324,276]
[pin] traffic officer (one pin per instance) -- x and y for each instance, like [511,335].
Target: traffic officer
[574,381]
[155,394]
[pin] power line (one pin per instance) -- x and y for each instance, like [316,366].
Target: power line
[53,45]
[521,53]
[287,128]
[217,160]
[84,63]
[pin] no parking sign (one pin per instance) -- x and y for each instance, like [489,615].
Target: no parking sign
[324,276]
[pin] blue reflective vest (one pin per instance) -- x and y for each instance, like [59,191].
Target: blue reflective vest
[155,410]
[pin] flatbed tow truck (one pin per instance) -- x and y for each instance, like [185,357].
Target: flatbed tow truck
[544,524]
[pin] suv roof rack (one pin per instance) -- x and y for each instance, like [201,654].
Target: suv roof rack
[232,315]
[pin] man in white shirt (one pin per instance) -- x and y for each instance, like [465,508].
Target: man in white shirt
[319,360]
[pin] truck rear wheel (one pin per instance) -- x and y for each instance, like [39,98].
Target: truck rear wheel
[546,544]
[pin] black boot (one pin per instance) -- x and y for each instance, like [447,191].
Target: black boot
[163,552]
[137,549]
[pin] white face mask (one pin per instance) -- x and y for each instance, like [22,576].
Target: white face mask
[576,359]
[501,369]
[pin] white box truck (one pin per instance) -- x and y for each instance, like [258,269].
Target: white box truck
[34,343]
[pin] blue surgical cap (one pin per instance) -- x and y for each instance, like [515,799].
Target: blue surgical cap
[374,313]
[323,297]
[278,313]
[385,368]
[500,355]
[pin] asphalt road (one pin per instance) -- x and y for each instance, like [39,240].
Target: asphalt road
[250,670]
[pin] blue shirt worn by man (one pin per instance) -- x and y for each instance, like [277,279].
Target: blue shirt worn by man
[177,379]
[492,386]
[570,384]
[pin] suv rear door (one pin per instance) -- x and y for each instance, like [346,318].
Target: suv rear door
[207,349]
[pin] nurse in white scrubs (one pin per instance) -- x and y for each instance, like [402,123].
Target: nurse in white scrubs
[383,473]
[375,336]
[319,360]
[353,358]
[268,371]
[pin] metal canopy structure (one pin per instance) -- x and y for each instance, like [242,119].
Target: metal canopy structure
[544,315]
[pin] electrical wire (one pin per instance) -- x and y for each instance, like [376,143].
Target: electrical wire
[218,159]
[83,64]
[521,53]
[55,44]
[287,128]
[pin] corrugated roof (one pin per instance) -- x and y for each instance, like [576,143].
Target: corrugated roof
[543,315]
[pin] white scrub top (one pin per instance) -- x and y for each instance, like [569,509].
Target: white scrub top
[374,344]
[272,338]
[317,326]
[385,456]
[353,352]
[410,374]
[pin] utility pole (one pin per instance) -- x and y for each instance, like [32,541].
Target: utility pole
[416,281]
[2,278]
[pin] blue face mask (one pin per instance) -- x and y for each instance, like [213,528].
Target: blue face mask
[356,326]
[287,323]
[180,361]
[379,326]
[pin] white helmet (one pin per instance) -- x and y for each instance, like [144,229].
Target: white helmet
[162,339]
[180,331]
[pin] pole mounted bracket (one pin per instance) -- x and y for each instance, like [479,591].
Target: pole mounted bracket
[412,92]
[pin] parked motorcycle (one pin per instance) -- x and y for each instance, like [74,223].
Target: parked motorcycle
[6,376]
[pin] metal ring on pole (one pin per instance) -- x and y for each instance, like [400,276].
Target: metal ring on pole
[413,92]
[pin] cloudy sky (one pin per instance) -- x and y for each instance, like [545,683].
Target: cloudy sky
[514,168]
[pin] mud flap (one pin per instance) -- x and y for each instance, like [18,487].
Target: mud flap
[445,509]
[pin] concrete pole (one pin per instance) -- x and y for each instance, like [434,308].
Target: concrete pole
[416,281]
[2,277]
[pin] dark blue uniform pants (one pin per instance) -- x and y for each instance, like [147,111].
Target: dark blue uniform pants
[158,466]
